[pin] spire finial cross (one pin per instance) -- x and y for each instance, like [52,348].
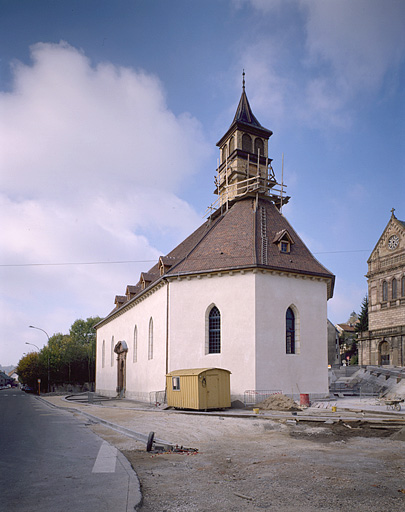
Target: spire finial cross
[392,211]
[243,79]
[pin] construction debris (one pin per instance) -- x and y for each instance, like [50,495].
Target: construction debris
[278,402]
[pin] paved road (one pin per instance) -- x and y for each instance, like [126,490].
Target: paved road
[50,462]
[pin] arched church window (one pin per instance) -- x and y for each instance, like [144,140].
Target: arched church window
[112,351]
[394,289]
[290,331]
[135,347]
[224,153]
[231,145]
[385,291]
[103,355]
[246,143]
[214,331]
[259,146]
[403,286]
[150,339]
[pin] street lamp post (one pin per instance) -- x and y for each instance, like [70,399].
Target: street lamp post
[47,335]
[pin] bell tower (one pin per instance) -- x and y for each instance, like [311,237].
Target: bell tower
[245,166]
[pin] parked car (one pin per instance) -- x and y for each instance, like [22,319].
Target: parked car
[29,389]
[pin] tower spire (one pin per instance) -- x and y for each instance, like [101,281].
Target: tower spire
[245,166]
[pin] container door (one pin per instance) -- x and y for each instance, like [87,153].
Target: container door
[212,391]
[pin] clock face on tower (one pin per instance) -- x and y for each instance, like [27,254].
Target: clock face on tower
[393,242]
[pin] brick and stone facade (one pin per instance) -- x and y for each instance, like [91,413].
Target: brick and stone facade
[384,343]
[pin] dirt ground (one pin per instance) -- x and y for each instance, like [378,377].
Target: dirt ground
[254,464]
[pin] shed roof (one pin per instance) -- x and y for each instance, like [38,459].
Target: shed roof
[193,371]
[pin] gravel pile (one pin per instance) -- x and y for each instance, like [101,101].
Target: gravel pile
[278,402]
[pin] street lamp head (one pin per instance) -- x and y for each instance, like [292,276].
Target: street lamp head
[33,344]
[39,329]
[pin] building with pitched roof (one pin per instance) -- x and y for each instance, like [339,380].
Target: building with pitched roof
[242,292]
[384,342]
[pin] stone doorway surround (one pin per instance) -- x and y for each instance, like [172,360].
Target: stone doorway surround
[121,349]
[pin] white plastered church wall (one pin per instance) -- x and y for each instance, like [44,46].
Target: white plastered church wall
[253,306]
[277,370]
[144,375]
[190,301]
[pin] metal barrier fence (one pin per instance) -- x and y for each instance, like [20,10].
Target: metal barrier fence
[157,397]
[253,396]
[363,390]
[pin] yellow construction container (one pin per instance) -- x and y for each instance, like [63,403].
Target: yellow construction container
[199,388]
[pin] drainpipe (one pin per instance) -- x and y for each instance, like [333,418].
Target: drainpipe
[167,324]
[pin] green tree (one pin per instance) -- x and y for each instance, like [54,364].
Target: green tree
[362,323]
[29,370]
[83,335]
[66,359]
[59,358]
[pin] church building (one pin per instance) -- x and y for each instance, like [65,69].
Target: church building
[384,342]
[242,293]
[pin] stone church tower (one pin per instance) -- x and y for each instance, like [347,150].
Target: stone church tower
[384,343]
[245,166]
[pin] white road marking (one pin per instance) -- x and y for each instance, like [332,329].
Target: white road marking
[106,459]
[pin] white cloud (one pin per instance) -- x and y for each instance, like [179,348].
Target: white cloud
[92,160]
[353,45]
[261,5]
[349,51]
[361,39]
[72,127]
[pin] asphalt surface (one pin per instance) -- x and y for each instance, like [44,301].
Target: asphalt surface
[51,461]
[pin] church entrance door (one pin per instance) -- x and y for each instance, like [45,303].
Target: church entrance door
[121,350]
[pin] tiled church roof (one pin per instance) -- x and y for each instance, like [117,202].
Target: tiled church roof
[240,238]
[243,237]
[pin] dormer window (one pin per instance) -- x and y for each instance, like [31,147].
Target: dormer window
[145,280]
[130,292]
[165,264]
[284,241]
[120,300]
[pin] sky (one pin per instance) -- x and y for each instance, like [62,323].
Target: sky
[109,117]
